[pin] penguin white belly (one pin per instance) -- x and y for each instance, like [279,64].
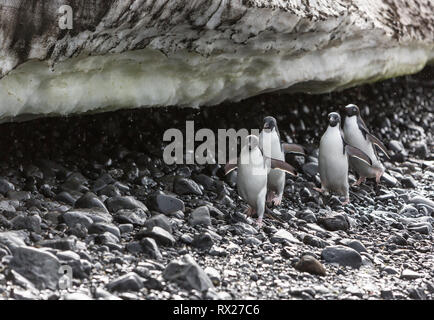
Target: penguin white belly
[252,179]
[355,137]
[271,146]
[333,162]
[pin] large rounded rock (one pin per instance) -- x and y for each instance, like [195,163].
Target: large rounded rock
[128,282]
[115,204]
[40,267]
[200,216]
[165,204]
[90,200]
[343,256]
[183,186]
[188,274]
[311,265]
[160,235]
[335,222]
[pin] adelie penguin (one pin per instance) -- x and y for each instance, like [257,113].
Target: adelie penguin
[357,134]
[333,159]
[271,146]
[253,168]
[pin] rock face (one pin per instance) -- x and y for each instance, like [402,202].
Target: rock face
[126,54]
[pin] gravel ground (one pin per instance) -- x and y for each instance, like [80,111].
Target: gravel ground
[92,193]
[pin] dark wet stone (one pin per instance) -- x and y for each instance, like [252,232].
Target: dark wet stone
[65,197]
[342,255]
[19,195]
[6,186]
[115,204]
[106,238]
[311,265]
[335,222]
[200,216]
[6,205]
[88,201]
[165,204]
[188,274]
[183,186]
[74,184]
[126,228]
[103,181]
[423,227]
[417,294]
[134,247]
[354,244]
[203,241]
[388,180]
[150,247]
[252,241]
[396,146]
[387,294]
[30,223]
[216,213]
[314,241]
[160,235]
[13,239]
[159,220]
[283,236]
[78,230]
[408,182]
[207,182]
[110,191]
[307,215]
[135,217]
[153,284]
[128,282]
[390,270]
[71,218]
[101,227]
[5,223]
[422,201]
[421,151]
[186,238]
[39,267]
[310,169]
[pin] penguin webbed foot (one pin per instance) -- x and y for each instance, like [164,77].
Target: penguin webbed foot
[378,177]
[359,181]
[259,222]
[320,190]
[277,200]
[347,201]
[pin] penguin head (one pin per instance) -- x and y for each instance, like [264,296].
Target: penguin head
[252,142]
[352,110]
[334,119]
[270,124]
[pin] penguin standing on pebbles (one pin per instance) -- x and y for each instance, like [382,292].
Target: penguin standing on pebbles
[271,146]
[357,134]
[333,159]
[253,169]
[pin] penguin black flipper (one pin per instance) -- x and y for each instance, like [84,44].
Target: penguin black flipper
[376,142]
[359,154]
[293,148]
[230,166]
[362,126]
[282,165]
